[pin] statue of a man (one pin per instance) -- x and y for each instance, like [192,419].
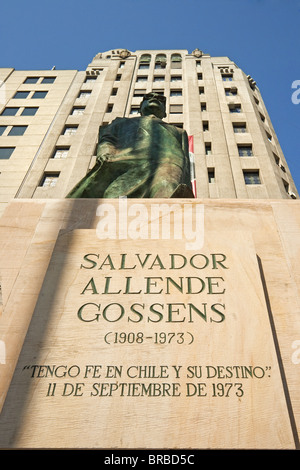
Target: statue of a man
[139,157]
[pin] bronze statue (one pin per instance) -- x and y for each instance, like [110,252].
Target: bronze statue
[139,157]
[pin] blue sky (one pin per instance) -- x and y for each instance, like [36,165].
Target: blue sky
[260,36]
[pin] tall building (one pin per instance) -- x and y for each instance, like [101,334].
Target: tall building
[159,324]
[49,122]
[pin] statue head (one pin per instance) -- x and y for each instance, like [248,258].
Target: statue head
[153,103]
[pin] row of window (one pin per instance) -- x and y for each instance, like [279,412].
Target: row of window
[173,109]
[160,58]
[30,94]
[6,152]
[174,78]
[178,92]
[25,111]
[39,80]
[244,150]
[31,111]
[158,78]
[250,177]
[61,152]
[160,65]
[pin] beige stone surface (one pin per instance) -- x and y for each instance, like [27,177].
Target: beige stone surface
[252,355]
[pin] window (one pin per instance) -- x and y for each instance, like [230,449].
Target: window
[176,93]
[144,66]
[207,148]
[2,129]
[70,130]
[245,150]
[227,78]
[145,59]
[17,130]
[10,111]
[90,79]
[286,185]
[159,78]
[211,175]
[49,180]
[160,61]
[239,127]
[235,108]
[205,126]
[39,95]
[48,79]
[61,152]
[118,77]
[78,110]
[251,177]
[176,60]
[122,65]
[21,95]
[31,80]
[203,106]
[278,162]
[201,90]
[109,108]
[176,78]
[269,137]
[29,111]
[134,110]
[5,152]
[276,158]
[262,117]
[141,79]
[230,91]
[114,91]
[176,109]
[84,94]
[199,76]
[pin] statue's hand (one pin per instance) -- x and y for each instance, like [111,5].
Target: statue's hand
[105,152]
[100,159]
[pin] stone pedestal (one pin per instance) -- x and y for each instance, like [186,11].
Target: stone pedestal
[130,324]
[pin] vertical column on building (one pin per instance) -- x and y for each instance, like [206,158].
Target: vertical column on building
[218,165]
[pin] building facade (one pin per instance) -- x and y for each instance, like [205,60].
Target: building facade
[49,123]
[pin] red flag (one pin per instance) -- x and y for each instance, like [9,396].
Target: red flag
[192,164]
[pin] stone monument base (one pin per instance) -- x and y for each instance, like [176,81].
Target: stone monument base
[150,324]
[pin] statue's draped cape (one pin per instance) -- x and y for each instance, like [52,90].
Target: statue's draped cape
[140,157]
